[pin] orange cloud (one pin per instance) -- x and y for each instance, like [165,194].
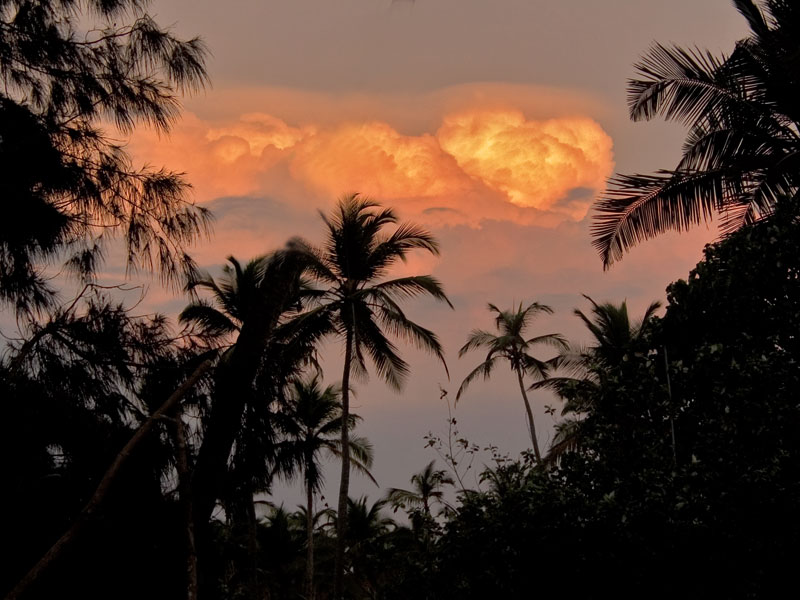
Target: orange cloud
[536,163]
[483,162]
[374,158]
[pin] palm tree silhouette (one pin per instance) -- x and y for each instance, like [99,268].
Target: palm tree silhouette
[585,369]
[368,534]
[251,303]
[740,157]
[510,344]
[311,424]
[360,305]
[234,294]
[426,490]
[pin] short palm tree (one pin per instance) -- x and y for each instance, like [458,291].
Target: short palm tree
[368,535]
[741,157]
[584,369]
[311,424]
[510,344]
[360,305]
[426,490]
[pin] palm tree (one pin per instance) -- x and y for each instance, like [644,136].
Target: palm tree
[510,344]
[613,331]
[740,157]
[233,295]
[360,305]
[368,533]
[426,490]
[585,369]
[311,425]
[251,303]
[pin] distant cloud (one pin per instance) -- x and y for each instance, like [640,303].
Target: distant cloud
[484,161]
[535,163]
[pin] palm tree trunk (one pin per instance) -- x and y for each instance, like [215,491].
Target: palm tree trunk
[344,485]
[309,542]
[252,545]
[531,424]
[91,508]
[185,493]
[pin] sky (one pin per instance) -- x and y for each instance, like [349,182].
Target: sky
[493,123]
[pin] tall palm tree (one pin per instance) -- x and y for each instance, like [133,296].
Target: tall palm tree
[741,157]
[584,369]
[360,304]
[250,303]
[511,345]
[311,424]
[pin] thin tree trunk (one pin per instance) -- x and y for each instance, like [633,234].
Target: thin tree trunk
[88,512]
[185,491]
[344,484]
[671,416]
[309,542]
[252,546]
[531,424]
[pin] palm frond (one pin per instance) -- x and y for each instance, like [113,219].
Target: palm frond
[755,18]
[554,340]
[477,338]
[567,439]
[413,286]
[382,352]
[678,84]
[211,321]
[639,207]
[482,370]
[401,327]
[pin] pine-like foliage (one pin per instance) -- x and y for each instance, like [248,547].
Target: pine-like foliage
[69,67]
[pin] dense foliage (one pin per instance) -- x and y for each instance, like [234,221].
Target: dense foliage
[626,512]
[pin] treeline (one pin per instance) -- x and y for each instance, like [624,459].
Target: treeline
[674,471]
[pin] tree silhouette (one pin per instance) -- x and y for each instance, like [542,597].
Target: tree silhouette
[101,378]
[361,306]
[311,424]
[67,68]
[253,301]
[740,155]
[509,344]
[426,490]
[586,370]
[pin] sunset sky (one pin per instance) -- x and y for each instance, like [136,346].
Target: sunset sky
[494,123]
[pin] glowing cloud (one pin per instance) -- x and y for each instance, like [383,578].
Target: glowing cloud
[482,163]
[375,159]
[536,163]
